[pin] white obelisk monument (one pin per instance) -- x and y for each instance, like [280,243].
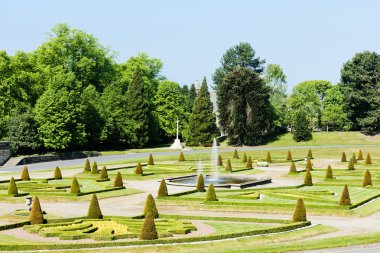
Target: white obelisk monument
[177,142]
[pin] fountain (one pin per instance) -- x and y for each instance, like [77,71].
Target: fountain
[177,142]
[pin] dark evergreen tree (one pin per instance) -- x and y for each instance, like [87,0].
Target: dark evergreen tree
[301,127]
[192,95]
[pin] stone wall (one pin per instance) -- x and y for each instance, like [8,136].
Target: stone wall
[5,152]
[56,157]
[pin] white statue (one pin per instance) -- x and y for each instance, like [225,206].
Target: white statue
[177,142]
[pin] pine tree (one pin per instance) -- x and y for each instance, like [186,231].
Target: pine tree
[192,95]
[289,156]
[309,154]
[308,180]
[94,211]
[360,155]
[12,189]
[343,158]
[300,212]
[293,168]
[368,159]
[150,206]
[87,166]
[148,231]
[94,169]
[351,165]
[309,165]
[228,166]
[75,189]
[329,173]
[200,183]
[138,169]
[236,155]
[25,174]
[245,158]
[150,160]
[210,194]
[118,180]
[181,157]
[249,163]
[269,158]
[367,178]
[163,190]
[57,174]
[36,215]
[345,197]
[202,123]
[220,161]
[103,173]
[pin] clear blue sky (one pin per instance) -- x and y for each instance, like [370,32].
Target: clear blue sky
[309,39]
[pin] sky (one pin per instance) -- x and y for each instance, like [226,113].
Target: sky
[309,39]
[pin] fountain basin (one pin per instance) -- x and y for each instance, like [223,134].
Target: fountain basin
[223,181]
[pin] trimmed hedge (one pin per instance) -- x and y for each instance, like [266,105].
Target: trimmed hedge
[368,159]
[299,214]
[57,173]
[351,165]
[308,180]
[163,189]
[118,180]
[103,173]
[329,173]
[138,169]
[343,158]
[236,155]
[293,168]
[12,189]
[87,166]
[75,189]
[309,154]
[289,156]
[309,166]
[36,216]
[210,194]
[360,155]
[245,158]
[25,174]
[181,157]
[148,231]
[94,169]
[345,197]
[268,158]
[200,183]
[94,211]
[220,161]
[229,166]
[150,159]
[150,206]
[249,163]
[367,179]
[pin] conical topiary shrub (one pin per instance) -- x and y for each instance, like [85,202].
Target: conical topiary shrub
[308,180]
[351,165]
[236,155]
[138,169]
[354,158]
[360,155]
[150,160]
[249,163]
[329,173]
[25,174]
[104,173]
[268,159]
[12,188]
[150,206]
[181,157]
[163,189]
[75,189]
[220,161]
[118,180]
[244,158]
[36,216]
[210,194]
[57,173]
[148,231]
[368,159]
[94,211]
[309,166]
[289,156]
[200,183]
[293,168]
[299,214]
[309,154]
[343,158]
[94,169]
[367,179]
[345,197]
[87,167]
[228,166]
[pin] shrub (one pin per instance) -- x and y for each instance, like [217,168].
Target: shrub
[329,173]
[200,183]
[236,155]
[300,212]
[148,231]
[220,161]
[309,154]
[181,157]
[94,169]
[354,158]
[210,194]
[150,160]
[150,206]
[25,174]
[138,169]
[289,156]
[249,163]
[57,174]
[367,178]
[343,158]
[308,180]
[244,158]
[268,158]
[228,166]
[12,189]
[163,190]
[94,211]
[368,159]
[103,173]
[351,165]
[87,167]
[74,186]
[293,168]
[118,180]
[36,216]
[309,166]
[360,155]
[345,197]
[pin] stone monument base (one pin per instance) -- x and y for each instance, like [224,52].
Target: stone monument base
[176,144]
